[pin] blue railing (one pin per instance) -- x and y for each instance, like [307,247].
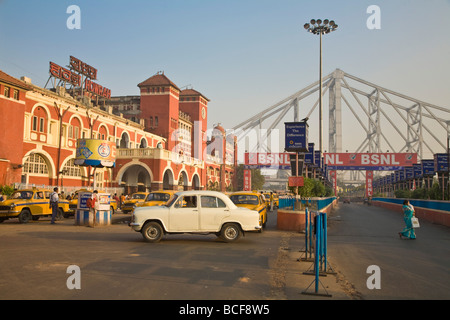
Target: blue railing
[428,204]
[318,203]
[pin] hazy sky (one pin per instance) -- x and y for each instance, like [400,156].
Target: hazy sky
[243,55]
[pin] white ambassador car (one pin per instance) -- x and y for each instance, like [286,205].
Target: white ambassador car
[201,212]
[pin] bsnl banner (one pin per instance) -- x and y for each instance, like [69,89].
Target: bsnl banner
[268,159]
[370,159]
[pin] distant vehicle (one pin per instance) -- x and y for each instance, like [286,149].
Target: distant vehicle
[128,205]
[201,212]
[346,200]
[31,204]
[253,201]
[155,198]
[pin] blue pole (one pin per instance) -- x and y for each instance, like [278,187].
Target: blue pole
[324,244]
[310,233]
[316,255]
[306,232]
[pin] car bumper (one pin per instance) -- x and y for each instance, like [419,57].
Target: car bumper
[135,226]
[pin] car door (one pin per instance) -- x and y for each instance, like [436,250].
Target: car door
[184,215]
[37,203]
[212,211]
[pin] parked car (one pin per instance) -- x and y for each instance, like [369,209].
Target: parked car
[128,205]
[30,204]
[253,201]
[201,212]
[156,198]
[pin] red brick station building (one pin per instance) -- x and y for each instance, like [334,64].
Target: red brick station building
[161,137]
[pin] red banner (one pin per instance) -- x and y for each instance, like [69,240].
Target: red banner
[370,159]
[247,180]
[268,159]
[333,180]
[369,184]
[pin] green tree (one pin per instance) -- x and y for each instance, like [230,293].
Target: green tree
[6,190]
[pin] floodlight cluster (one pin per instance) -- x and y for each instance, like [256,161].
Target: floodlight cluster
[320,27]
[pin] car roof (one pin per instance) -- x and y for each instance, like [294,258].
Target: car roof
[218,194]
[246,192]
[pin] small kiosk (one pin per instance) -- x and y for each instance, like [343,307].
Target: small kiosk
[85,216]
[98,154]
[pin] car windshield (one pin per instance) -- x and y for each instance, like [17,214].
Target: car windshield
[22,195]
[171,200]
[158,197]
[244,199]
[138,196]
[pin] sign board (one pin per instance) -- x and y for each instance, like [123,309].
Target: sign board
[104,201]
[369,184]
[82,198]
[417,168]
[296,181]
[296,136]
[441,162]
[309,156]
[318,160]
[409,173]
[370,159]
[427,167]
[96,153]
[333,178]
[267,159]
[65,74]
[247,180]
[83,68]
[79,71]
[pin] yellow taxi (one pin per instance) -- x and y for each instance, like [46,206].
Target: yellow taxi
[156,198]
[31,204]
[128,205]
[253,201]
[73,203]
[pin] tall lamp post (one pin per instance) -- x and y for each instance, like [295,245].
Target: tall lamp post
[320,27]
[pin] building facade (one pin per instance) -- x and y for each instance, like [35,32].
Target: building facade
[160,137]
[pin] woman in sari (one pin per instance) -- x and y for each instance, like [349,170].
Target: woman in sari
[408,213]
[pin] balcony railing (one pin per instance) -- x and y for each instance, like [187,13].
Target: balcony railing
[155,153]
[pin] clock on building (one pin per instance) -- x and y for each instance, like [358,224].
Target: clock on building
[203,113]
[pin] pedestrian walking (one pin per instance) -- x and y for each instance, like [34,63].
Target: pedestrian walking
[54,198]
[408,214]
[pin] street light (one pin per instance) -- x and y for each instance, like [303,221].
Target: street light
[320,27]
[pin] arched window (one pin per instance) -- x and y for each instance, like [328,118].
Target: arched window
[74,129]
[35,164]
[71,170]
[39,120]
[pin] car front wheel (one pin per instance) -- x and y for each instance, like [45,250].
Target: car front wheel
[152,232]
[230,232]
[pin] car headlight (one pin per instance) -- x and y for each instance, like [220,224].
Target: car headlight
[13,205]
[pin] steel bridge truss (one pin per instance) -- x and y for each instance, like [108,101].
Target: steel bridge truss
[385,117]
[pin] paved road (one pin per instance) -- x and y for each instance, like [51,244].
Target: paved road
[361,235]
[116,264]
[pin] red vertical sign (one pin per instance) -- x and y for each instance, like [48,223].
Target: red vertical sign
[247,180]
[333,180]
[369,184]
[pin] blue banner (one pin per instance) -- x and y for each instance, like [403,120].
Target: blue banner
[296,136]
